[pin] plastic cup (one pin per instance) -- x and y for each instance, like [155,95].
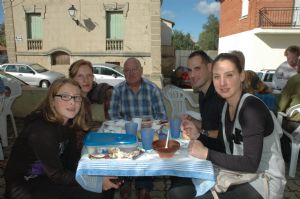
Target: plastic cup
[175,127]
[147,138]
[162,136]
[138,120]
[131,128]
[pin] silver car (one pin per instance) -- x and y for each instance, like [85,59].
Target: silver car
[108,73]
[33,74]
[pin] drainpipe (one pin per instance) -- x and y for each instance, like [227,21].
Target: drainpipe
[14,58]
[9,30]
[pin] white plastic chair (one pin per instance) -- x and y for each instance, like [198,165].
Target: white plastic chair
[176,97]
[294,137]
[15,89]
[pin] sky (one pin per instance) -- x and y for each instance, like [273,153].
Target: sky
[1,13]
[188,15]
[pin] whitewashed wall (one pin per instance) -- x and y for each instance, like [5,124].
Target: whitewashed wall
[263,49]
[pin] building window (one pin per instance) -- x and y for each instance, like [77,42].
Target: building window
[114,30]
[60,58]
[34,26]
[245,7]
[34,31]
[114,25]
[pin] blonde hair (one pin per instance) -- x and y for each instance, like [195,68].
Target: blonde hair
[48,111]
[73,70]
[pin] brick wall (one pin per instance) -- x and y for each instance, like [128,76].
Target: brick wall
[230,14]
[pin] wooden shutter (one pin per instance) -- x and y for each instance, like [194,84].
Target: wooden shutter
[114,25]
[34,26]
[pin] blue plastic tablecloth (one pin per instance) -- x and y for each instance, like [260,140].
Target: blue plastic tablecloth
[90,171]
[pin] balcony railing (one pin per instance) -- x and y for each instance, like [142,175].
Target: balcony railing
[34,44]
[114,45]
[279,17]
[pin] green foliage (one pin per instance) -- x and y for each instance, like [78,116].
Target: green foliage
[2,35]
[209,38]
[182,41]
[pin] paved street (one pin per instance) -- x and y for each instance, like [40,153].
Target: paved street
[161,184]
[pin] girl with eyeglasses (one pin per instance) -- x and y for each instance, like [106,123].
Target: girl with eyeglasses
[38,164]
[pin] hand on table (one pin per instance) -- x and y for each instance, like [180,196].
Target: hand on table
[190,129]
[197,149]
[108,183]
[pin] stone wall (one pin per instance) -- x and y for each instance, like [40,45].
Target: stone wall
[87,40]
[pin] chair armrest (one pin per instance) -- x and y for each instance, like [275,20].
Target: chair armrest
[290,111]
[194,115]
[191,101]
[295,135]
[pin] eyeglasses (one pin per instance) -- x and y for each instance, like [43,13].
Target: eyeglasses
[64,97]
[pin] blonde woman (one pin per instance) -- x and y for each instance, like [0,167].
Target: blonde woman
[82,72]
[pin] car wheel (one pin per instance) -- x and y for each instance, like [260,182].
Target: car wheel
[45,84]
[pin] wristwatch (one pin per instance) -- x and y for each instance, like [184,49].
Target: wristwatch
[204,132]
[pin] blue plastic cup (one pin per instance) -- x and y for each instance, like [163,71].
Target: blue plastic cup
[175,128]
[147,137]
[131,128]
[162,136]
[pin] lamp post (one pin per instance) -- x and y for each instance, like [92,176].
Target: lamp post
[72,12]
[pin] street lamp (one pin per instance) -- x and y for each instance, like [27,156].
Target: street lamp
[72,12]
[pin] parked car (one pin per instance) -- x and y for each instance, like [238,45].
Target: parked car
[108,73]
[23,84]
[266,75]
[180,77]
[9,77]
[34,74]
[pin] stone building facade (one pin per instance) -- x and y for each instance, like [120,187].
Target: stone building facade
[101,31]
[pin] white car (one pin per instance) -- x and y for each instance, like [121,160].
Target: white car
[108,73]
[32,73]
[266,75]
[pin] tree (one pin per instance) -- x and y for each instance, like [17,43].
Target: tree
[209,38]
[182,41]
[2,35]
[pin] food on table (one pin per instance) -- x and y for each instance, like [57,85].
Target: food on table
[117,153]
[160,147]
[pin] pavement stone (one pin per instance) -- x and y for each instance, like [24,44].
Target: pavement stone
[161,184]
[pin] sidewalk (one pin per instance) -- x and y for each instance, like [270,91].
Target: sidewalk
[161,184]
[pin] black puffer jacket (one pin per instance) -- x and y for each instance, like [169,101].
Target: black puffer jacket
[99,93]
